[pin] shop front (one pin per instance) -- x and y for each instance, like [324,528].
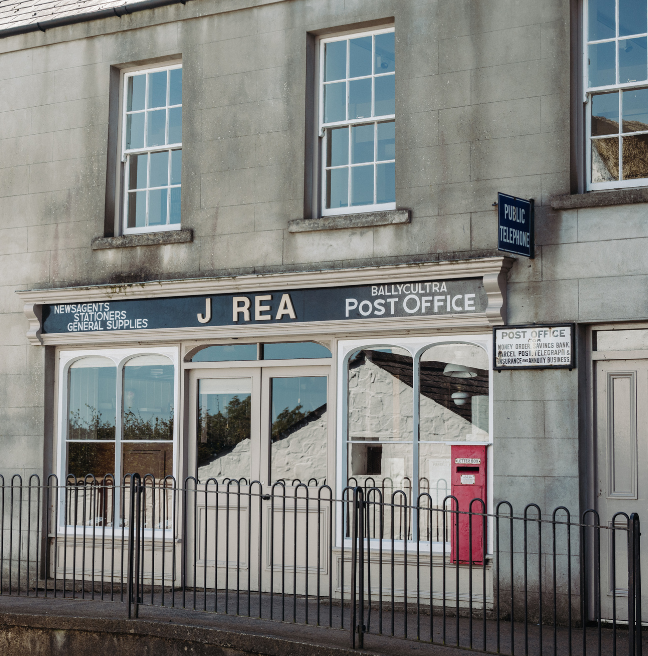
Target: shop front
[309,384]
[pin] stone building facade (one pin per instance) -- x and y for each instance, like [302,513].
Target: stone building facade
[258,197]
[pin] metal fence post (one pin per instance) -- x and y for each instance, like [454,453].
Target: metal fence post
[634,586]
[134,519]
[357,571]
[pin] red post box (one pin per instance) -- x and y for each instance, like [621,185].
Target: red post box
[468,483]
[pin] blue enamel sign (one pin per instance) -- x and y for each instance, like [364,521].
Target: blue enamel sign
[515,225]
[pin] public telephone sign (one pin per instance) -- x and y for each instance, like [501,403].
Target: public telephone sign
[534,347]
[515,225]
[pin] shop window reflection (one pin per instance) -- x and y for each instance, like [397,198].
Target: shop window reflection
[224,426]
[380,429]
[298,428]
[453,407]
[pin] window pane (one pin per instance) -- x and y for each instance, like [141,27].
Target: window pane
[148,398]
[155,129]
[176,166]
[225,352]
[335,61]
[137,171]
[632,17]
[334,102]
[360,56]
[299,435]
[635,110]
[137,209]
[601,19]
[92,384]
[384,58]
[385,95]
[454,393]
[605,114]
[362,143]
[605,160]
[293,350]
[387,467]
[224,422]
[337,147]
[94,458]
[147,458]
[135,130]
[386,141]
[175,205]
[380,401]
[360,98]
[362,185]
[159,173]
[157,89]
[601,68]
[157,210]
[386,183]
[632,60]
[175,125]
[136,91]
[337,188]
[175,88]
[635,157]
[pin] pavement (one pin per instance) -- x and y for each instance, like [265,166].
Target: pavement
[238,634]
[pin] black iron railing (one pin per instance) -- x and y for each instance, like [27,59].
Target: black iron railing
[369,561]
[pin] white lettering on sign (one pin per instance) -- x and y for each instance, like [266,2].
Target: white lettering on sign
[467,461]
[544,346]
[467,479]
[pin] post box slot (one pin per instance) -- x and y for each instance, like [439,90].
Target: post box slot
[467,469]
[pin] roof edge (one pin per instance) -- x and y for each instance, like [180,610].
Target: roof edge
[43,26]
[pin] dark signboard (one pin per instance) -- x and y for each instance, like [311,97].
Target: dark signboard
[420,298]
[534,347]
[515,225]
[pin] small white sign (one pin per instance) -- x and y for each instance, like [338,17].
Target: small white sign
[467,479]
[467,461]
[534,347]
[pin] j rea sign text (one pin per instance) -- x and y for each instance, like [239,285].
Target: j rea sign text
[422,298]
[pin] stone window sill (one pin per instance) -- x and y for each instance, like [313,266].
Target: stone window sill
[345,221]
[600,199]
[145,239]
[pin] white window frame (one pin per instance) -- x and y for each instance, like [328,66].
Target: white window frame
[416,347]
[125,160]
[589,92]
[323,127]
[119,357]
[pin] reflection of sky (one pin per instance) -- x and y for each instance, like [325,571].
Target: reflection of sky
[226,352]
[295,350]
[307,391]
[148,391]
[92,389]
[215,403]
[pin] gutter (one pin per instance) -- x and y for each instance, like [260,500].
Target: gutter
[90,16]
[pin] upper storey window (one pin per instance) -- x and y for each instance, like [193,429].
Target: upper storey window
[616,66]
[357,111]
[152,149]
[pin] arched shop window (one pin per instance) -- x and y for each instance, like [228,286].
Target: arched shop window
[139,389]
[400,446]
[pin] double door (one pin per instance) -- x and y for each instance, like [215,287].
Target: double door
[259,438]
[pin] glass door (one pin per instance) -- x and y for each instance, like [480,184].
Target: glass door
[294,426]
[224,422]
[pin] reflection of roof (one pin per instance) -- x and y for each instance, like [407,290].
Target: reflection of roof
[434,384]
[304,421]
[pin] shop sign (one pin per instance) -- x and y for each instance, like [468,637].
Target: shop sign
[515,225]
[421,298]
[534,347]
